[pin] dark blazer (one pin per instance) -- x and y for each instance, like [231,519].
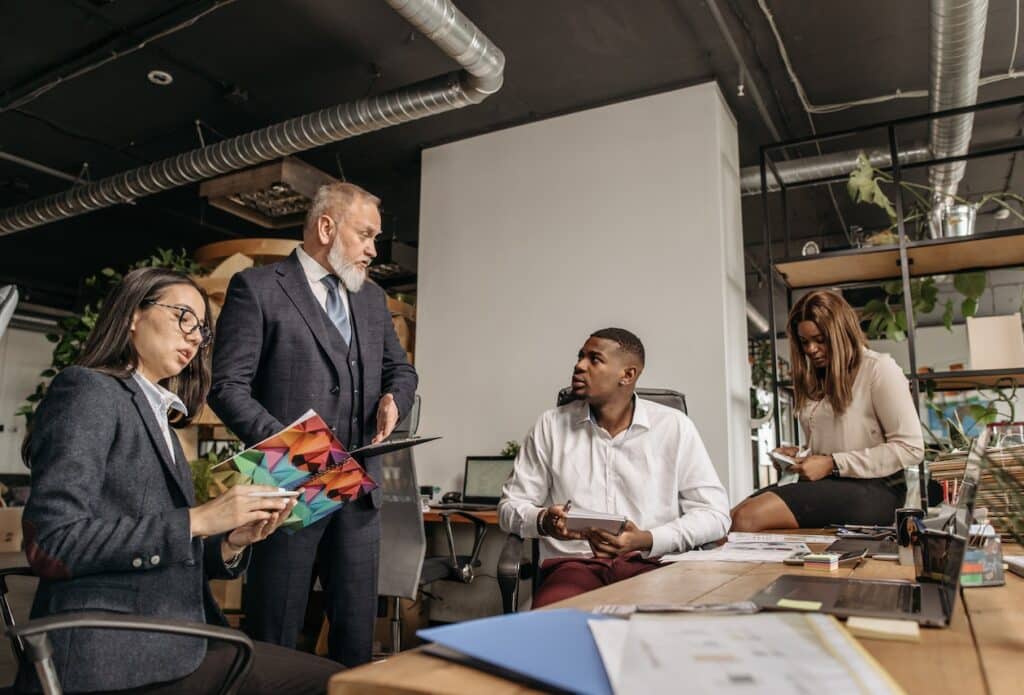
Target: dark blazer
[107,528]
[278,355]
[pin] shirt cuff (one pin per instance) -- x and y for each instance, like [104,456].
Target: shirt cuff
[842,464]
[529,529]
[663,543]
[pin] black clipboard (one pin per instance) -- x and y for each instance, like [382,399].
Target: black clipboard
[387,446]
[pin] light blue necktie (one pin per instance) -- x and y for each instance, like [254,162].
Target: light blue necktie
[336,308]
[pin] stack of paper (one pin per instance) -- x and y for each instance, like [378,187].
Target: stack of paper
[765,653]
[742,551]
[822,561]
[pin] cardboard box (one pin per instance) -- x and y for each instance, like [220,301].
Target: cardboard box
[10,529]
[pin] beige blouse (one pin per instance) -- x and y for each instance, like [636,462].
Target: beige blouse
[879,434]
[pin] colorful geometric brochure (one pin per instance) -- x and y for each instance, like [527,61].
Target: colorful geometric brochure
[305,456]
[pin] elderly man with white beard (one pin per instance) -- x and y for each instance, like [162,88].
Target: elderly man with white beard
[312,332]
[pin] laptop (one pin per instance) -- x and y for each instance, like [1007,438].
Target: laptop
[938,556]
[482,483]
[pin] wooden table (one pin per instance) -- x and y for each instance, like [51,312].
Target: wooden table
[490,516]
[981,652]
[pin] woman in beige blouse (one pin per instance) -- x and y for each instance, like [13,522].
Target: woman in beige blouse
[862,429]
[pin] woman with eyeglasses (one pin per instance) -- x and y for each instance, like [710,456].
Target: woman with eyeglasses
[860,423]
[111,523]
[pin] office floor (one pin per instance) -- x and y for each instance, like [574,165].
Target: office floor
[21,591]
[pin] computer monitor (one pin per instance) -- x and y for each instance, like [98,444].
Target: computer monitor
[484,478]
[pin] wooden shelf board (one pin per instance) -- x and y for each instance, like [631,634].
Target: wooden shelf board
[968,380]
[933,257]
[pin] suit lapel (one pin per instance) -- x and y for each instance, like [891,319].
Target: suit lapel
[156,436]
[293,281]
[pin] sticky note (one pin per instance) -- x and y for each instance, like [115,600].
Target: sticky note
[798,605]
[884,628]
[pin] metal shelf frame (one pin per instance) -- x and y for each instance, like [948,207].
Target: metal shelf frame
[899,254]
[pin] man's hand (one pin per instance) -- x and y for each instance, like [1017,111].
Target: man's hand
[632,538]
[254,532]
[387,417]
[553,524]
[813,467]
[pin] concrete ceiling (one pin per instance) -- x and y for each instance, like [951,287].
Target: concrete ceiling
[250,63]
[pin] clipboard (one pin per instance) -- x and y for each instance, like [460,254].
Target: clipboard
[386,447]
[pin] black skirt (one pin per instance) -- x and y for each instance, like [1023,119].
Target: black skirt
[818,503]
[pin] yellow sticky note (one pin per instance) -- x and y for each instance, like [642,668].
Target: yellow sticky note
[798,605]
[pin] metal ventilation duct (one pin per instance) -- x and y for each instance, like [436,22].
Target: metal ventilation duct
[957,39]
[829,165]
[483,65]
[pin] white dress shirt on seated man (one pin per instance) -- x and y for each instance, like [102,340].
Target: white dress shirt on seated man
[656,473]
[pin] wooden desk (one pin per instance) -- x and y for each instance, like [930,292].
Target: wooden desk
[979,653]
[490,516]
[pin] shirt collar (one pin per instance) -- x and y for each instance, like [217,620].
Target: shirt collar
[159,398]
[313,270]
[641,413]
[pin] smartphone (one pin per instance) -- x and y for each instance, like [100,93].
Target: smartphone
[853,557]
[786,461]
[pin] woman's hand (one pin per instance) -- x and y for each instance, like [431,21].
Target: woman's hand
[244,536]
[813,467]
[790,451]
[235,508]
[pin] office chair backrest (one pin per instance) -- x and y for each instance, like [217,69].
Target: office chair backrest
[673,399]
[403,540]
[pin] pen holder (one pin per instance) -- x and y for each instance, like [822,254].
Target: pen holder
[904,527]
[983,560]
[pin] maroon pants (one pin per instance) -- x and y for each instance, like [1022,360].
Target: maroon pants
[565,577]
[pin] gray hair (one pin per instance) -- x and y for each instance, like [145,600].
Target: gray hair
[339,197]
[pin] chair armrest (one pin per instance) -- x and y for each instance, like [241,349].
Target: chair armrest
[5,607]
[38,649]
[509,565]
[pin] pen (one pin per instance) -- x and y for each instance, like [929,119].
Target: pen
[568,503]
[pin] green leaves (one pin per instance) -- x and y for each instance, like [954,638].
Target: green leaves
[947,316]
[863,187]
[972,286]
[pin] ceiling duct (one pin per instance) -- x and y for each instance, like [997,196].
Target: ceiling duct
[957,40]
[824,166]
[483,66]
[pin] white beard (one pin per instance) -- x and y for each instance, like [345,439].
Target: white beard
[352,277]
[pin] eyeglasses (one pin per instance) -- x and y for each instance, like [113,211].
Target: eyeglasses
[188,322]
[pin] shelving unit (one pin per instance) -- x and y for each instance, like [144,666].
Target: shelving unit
[903,261]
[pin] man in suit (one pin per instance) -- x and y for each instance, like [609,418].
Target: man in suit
[312,332]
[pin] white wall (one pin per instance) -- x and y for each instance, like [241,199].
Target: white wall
[532,237]
[23,355]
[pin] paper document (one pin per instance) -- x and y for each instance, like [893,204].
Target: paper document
[761,551]
[765,653]
[740,536]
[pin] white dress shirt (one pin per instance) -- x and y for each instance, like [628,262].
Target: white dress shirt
[656,473]
[315,273]
[161,400]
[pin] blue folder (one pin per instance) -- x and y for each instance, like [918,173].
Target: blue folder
[552,648]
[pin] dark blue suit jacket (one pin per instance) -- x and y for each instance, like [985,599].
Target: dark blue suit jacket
[276,358]
[107,528]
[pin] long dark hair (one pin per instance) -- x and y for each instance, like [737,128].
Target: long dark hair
[838,322]
[109,347]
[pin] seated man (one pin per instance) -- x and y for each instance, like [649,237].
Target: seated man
[611,452]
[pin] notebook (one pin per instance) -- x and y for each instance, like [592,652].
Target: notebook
[306,456]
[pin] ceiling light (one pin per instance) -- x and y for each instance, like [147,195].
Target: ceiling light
[161,78]
[275,195]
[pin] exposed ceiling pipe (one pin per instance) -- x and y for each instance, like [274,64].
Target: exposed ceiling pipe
[483,66]
[954,67]
[36,166]
[757,320]
[824,166]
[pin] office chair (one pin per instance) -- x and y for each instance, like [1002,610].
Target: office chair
[404,567]
[512,569]
[31,643]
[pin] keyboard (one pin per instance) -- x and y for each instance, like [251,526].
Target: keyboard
[878,596]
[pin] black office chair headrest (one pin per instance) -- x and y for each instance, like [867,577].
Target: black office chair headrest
[668,397]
